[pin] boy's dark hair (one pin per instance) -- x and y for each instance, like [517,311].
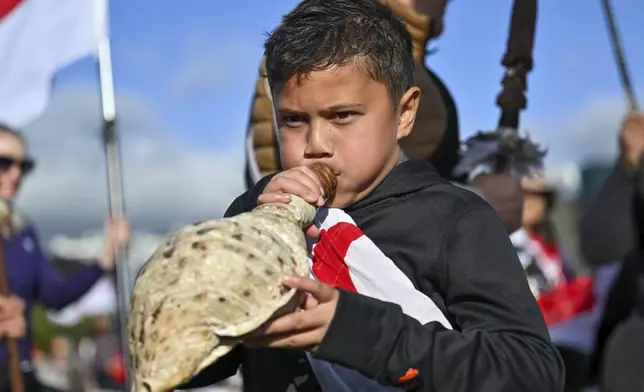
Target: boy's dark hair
[320,34]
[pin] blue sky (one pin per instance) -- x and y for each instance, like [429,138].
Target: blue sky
[185,75]
[195,63]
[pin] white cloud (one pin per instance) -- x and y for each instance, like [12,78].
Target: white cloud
[166,182]
[588,134]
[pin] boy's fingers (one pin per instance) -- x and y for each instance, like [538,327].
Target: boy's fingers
[311,174]
[299,185]
[308,178]
[273,198]
[292,323]
[306,340]
[321,291]
[309,302]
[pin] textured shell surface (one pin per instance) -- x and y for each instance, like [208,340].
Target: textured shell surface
[210,284]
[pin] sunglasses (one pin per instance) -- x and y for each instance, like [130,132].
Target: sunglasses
[26,165]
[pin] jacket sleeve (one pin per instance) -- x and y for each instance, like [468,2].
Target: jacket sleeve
[608,227]
[499,342]
[54,290]
[228,365]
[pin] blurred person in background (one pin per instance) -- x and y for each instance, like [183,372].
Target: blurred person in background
[621,364]
[608,227]
[612,235]
[32,278]
[536,241]
[53,366]
[107,366]
[567,301]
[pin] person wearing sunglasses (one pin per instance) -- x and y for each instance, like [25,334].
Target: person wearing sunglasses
[31,275]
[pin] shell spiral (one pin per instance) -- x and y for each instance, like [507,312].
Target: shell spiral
[212,283]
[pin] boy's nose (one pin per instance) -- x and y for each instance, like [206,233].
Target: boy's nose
[319,145]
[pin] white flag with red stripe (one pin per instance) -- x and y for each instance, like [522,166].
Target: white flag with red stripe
[38,38]
[343,256]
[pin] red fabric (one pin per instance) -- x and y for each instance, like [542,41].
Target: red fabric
[116,368]
[6,6]
[567,300]
[548,249]
[329,254]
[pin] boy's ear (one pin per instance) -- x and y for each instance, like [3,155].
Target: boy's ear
[407,108]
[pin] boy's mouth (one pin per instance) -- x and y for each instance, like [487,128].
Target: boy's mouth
[336,172]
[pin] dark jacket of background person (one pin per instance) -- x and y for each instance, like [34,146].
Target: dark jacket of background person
[611,231]
[608,225]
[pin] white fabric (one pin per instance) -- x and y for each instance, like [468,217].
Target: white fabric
[534,258]
[99,300]
[520,239]
[38,38]
[375,275]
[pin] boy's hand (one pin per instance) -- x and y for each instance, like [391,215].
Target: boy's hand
[300,181]
[300,330]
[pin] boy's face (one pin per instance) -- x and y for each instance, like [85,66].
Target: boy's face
[341,117]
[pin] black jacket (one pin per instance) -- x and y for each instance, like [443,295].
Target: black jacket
[454,249]
[608,229]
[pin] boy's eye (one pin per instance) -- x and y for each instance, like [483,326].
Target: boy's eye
[292,120]
[344,116]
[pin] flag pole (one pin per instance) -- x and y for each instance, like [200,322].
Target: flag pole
[114,175]
[620,58]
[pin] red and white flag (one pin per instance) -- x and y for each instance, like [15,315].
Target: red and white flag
[38,38]
[343,256]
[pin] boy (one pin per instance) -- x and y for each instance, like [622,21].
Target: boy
[439,302]
[435,136]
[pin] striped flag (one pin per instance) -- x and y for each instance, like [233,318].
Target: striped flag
[572,306]
[343,256]
[38,38]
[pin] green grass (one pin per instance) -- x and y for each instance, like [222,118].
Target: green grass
[43,330]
